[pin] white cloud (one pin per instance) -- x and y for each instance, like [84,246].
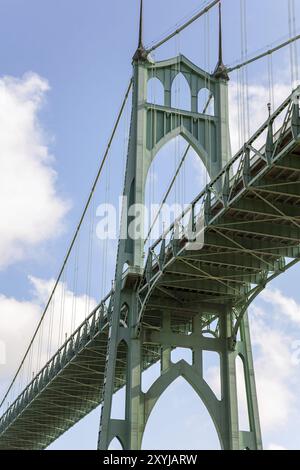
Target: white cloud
[65,302]
[258,99]
[31,211]
[284,306]
[274,376]
[276,380]
[18,321]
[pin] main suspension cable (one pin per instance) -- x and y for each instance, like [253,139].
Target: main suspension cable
[263,54]
[184,26]
[75,235]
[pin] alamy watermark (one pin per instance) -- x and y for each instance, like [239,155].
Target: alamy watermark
[135,216]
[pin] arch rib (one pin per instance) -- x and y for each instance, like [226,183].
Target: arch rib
[204,392]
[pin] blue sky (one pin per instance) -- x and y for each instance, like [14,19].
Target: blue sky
[65,65]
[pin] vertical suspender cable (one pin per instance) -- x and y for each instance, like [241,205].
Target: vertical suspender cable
[99,172]
[61,314]
[242,74]
[152,100]
[246,70]
[75,282]
[209,90]
[238,94]
[205,44]
[152,173]
[295,43]
[292,61]
[51,313]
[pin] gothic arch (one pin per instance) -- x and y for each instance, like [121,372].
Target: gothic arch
[155,91]
[183,132]
[116,438]
[242,392]
[204,392]
[123,340]
[118,405]
[185,92]
[206,102]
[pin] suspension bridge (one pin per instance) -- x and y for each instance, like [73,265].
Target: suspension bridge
[191,288]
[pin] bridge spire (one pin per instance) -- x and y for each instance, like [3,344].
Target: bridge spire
[221,71]
[141,53]
[141,26]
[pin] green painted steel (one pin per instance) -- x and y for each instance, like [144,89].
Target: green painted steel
[181,296]
[252,235]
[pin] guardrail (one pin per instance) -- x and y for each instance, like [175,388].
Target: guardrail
[230,182]
[221,187]
[247,165]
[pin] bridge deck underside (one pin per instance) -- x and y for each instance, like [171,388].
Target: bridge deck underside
[248,238]
[72,393]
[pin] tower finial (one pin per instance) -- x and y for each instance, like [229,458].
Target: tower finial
[221,71]
[141,53]
[220,35]
[141,26]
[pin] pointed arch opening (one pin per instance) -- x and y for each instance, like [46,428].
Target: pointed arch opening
[206,102]
[180,420]
[181,97]
[119,397]
[150,375]
[179,354]
[211,329]
[155,92]
[212,371]
[242,395]
[115,444]
[175,177]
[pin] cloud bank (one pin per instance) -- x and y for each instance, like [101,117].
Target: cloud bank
[30,208]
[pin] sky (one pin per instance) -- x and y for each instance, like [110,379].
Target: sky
[65,65]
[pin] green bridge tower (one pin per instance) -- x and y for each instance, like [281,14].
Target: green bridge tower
[139,344]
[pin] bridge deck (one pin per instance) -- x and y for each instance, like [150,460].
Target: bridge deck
[251,230]
[246,244]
